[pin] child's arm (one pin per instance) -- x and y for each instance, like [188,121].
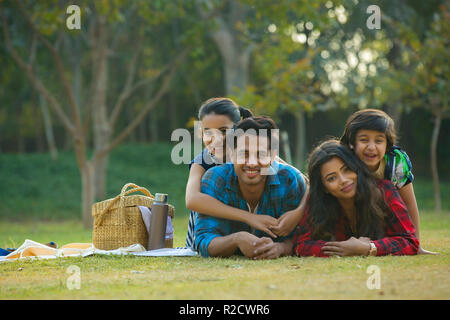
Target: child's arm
[409,198]
[289,220]
[200,202]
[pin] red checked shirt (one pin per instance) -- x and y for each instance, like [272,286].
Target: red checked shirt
[399,237]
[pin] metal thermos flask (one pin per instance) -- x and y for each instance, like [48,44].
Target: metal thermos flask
[158,222]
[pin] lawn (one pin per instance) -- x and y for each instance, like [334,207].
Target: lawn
[102,277]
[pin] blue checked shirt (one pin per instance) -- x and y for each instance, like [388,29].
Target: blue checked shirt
[283,192]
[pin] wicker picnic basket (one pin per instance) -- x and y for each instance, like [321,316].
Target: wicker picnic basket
[118,221]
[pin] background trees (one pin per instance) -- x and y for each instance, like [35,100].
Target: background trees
[136,70]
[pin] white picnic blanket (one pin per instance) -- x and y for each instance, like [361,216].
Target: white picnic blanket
[34,250]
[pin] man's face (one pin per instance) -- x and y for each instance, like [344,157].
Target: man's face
[252,158]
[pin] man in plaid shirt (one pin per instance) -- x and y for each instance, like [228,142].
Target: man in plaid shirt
[240,184]
[399,237]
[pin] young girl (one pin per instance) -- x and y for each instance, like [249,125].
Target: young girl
[370,133]
[217,115]
[350,212]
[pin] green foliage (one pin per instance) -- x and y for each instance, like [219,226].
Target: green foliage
[420,77]
[408,68]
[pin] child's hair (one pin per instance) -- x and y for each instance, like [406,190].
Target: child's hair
[369,119]
[255,123]
[324,209]
[224,106]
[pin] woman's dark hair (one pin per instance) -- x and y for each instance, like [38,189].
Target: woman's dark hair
[324,208]
[224,106]
[369,119]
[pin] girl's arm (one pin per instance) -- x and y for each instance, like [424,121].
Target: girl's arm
[203,203]
[289,220]
[409,198]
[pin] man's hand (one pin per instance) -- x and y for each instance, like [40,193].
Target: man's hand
[246,243]
[350,247]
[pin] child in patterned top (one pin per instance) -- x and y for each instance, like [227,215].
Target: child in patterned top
[370,133]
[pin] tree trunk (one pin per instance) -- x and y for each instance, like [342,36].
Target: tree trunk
[102,130]
[235,53]
[154,127]
[50,137]
[38,132]
[433,157]
[172,112]
[301,141]
[286,148]
[87,193]
[236,65]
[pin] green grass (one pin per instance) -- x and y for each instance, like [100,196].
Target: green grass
[102,277]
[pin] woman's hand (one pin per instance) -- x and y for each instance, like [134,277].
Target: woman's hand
[364,239]
[262,222]
[286,223]
[350,247]
[265,248]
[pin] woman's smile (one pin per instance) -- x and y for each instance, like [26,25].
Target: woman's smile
[348,188]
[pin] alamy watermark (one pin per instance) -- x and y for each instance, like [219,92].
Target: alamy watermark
[74,281]
[374,280]
[74,20]
[374,20]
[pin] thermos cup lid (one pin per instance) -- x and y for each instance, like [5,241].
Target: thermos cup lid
[161,197]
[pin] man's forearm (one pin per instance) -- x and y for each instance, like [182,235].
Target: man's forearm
[223,246]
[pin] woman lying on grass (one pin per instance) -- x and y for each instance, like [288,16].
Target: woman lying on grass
[349,213]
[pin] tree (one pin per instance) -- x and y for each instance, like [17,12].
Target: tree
[429,86]
[77,124]
[288,76]
[228,33]
[418,76]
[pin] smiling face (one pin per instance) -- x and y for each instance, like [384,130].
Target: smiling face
[338,179]
[250,157]
[370,147]
[214,127]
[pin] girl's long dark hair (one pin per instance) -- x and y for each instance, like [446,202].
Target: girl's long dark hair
[324,209]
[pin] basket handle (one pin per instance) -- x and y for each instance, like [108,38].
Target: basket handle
[135,188]
[121,196]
